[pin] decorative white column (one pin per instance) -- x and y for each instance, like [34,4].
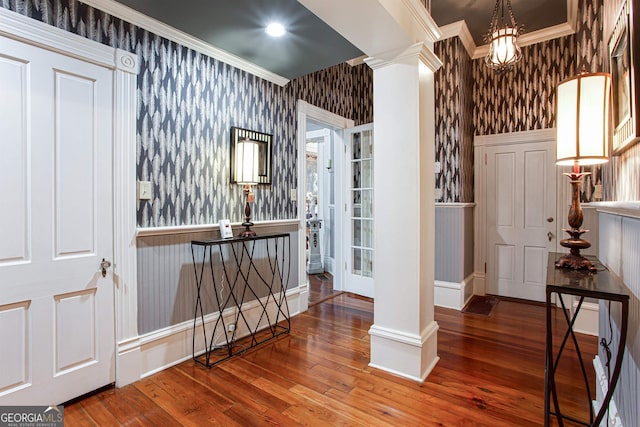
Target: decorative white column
[404,333]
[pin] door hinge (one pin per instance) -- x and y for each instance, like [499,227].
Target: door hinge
[485,158]
[485,268]
[345,266]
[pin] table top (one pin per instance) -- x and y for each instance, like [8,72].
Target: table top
[238,239]
[601,284]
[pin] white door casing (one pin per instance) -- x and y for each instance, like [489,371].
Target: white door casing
[336,124]
[359,207]
[517,227]
[63,224]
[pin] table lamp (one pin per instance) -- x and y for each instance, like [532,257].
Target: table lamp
[583,122]
[246,169]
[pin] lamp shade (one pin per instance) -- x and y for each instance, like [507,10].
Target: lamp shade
[583,120]
[503,48]
[247,162]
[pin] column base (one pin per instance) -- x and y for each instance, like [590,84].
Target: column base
[406,355]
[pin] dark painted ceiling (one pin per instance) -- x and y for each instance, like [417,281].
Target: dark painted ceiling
[237,26]
[534,14]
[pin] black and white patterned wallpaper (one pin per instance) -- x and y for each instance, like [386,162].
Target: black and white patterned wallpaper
[454,122]
[523,99]
[187,103]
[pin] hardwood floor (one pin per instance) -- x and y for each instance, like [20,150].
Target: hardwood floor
[320,288]
[490,373]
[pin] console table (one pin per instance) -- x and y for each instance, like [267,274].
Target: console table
[601,285]
[237,271]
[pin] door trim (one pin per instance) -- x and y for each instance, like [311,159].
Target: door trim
[307,111]
[125,67]
[481,143]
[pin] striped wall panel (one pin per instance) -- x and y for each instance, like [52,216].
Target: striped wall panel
[620,251]
[453,242]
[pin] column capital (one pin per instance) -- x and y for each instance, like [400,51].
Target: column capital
[419,50]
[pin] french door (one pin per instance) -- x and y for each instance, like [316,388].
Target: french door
[359,208]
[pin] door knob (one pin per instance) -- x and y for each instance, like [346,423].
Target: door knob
[103,267]
[550,235]
[550,219]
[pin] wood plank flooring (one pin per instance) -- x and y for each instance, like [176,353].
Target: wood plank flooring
[320,288]
[490,373]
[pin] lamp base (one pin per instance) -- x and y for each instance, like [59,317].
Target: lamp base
[248,232]
[574,260]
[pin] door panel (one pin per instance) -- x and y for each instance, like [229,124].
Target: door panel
[359,208]
[520,197]
[55,305]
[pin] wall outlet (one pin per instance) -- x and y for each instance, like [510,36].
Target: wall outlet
[436,167]
[144,190]
[231,327]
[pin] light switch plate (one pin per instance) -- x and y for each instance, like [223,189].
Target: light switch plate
[294,194]
[144,190]
[436,167]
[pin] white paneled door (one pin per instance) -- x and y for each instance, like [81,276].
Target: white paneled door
[359,211]
[56,307]
[521,197]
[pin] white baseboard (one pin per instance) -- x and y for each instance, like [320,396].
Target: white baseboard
[452,295]
[602,385]
[587,320]
[150,353]
[406,355]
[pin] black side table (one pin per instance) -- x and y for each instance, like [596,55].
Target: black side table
[262,282]
[601,285]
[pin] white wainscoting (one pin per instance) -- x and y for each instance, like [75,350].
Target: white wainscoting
[619,228]
[165,271]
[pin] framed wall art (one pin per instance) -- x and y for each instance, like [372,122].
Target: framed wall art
[264,141]
[624,80]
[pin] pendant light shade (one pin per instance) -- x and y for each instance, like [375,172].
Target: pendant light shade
[503,38]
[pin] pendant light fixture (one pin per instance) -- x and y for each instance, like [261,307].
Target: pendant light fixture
[503,38]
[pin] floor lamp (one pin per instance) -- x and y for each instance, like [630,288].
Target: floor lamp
[582,139]
[247,174]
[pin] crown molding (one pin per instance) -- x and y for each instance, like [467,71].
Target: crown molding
[422,16]
[417,50]
[461,30]
[533,37]
[153,25]
[356,61]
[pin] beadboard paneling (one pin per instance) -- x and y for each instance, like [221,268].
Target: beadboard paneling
[166,279]
[620,251]
[453,242]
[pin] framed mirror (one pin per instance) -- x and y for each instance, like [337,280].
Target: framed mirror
[626,126]
[264,141]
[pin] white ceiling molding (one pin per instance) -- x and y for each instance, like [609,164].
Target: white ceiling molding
[533,37]
[357,61]
[143,21]
[460,29]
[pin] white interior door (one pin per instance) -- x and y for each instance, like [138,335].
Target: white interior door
[56,308]
[521,197]
[359,206]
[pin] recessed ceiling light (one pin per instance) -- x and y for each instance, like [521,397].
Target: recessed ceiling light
[275,29]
